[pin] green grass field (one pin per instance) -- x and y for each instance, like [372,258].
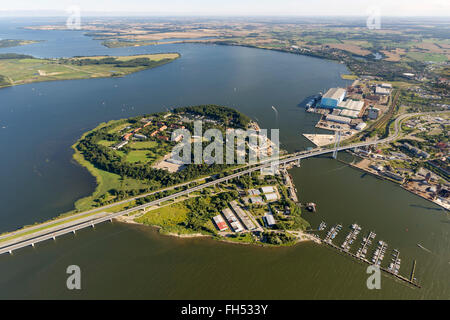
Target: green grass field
[419,56]
[168,218]
[138,156]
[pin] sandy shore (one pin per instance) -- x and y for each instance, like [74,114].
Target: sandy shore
[301,236]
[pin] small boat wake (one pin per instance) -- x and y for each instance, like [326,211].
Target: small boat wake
[422,247]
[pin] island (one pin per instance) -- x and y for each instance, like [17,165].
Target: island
[16,69]
[7,43]
[131,157]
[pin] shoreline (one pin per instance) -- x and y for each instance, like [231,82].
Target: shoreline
[389,180]
[130,220]
[91,77]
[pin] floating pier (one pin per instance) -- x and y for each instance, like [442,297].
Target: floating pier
[361,253]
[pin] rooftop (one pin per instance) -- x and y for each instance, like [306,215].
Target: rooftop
[334,93]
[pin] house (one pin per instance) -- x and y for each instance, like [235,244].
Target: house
[127,136]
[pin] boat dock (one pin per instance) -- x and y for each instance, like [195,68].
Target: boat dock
[378,256]
[413,271]
[362,251]
[355,229]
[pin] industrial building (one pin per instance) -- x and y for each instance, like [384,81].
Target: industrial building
[243,216]
[338,119]
[349,113]
[382,91]
[269,219]
[220,223]
[256,200]
[360,126]
[332,98]
[271,196]
[268,189]
[350,104]
[373,113]
[232,220]
[416,151]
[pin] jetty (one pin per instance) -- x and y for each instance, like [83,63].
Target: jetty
[393,269]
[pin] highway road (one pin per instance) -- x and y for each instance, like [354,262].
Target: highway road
[73,226]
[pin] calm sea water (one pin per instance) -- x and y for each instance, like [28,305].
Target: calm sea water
[39,122]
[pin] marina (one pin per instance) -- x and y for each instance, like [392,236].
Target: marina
[379,253]
[351,237]
[378,256]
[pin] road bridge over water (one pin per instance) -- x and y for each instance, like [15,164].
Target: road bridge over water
[30,239]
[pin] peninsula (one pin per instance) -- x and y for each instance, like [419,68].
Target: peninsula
[132,157]
[7,43]
[21,69]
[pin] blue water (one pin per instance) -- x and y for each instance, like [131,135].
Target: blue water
[42,120]
[39,180]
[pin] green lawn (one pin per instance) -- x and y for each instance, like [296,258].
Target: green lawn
[168,218]
[138,156]
[106,143]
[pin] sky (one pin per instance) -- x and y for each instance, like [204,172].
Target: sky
[232,7]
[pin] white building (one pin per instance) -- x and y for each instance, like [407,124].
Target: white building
[361,126]
[270,221]
[338,119]
[268,189]
[350,104]
[271,196]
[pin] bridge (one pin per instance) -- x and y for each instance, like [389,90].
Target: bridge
[88,219]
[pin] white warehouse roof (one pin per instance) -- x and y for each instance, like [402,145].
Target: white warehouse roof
[351,105]
[349,113]
[271,196]
[335,93]
[268,189]
[338,119]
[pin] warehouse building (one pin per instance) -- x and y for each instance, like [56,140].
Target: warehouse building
[349,113]
[268,189]
[332,98]
[269,219]
[338,119]
[271,196]
[232,220]
[220,223]
[350,104]
[242,215]
[360,126]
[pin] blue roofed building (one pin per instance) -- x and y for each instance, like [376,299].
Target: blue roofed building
[332,98]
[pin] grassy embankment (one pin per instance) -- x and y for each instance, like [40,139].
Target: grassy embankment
[17,70]
[105,180]
[174,219]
